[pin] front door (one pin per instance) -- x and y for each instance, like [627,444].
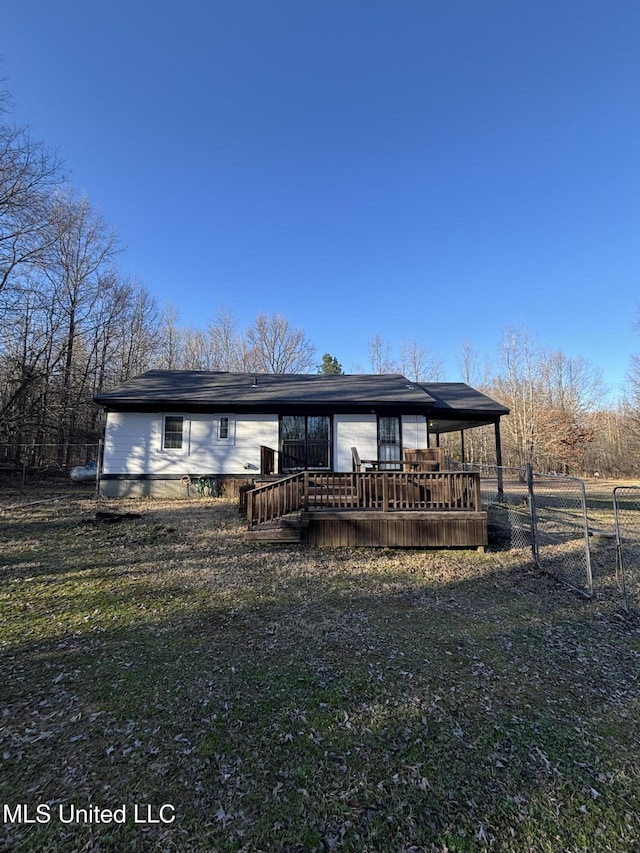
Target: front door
[305,442]
[389,443]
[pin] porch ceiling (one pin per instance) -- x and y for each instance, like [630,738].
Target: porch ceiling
[438,426]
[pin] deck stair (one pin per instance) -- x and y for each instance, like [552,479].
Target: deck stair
[287,529]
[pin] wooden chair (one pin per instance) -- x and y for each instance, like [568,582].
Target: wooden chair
[363,464]
[424,459]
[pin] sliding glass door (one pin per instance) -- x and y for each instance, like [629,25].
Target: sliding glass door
[305,442]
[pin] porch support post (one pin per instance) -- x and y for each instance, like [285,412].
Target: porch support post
[462,446]
[499,461]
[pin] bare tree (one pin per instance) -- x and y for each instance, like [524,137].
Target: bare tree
[632,388]
[572,384]
[276,347]
[420,364]
[28,176]
[196,350]
[474,370]
[138,334]
[614,450]
[227,345]
[380,357]
[69,323]
[79,268]
[633,372]
[125,333]
[171,339]
[516,387]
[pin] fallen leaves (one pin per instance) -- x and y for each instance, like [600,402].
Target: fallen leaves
[291,699]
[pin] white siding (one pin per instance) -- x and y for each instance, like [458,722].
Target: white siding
[133,445]
[131,442]
[240,456]
[349,431]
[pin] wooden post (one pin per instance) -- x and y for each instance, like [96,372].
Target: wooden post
[249,510]
[476,492]
[305,496]
[385,492]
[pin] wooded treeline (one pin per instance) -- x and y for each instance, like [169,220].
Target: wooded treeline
[72,324]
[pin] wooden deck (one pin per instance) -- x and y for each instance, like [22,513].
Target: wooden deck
[413,529]
[398,509]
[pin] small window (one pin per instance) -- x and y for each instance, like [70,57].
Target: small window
[173,426]
[224,429]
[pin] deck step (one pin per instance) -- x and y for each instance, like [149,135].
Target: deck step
[274,534]
[286,529]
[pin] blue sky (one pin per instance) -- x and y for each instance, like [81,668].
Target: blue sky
[428,169]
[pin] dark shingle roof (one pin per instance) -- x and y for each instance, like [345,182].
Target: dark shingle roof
[458,406]
[216,388]
[200,389]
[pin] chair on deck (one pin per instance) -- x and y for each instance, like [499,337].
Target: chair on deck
[423,459]
[363,464]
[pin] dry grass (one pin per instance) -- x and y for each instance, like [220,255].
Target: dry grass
[289,699]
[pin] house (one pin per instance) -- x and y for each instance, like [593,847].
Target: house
[167,430]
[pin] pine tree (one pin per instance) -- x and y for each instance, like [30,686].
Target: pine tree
[330,365]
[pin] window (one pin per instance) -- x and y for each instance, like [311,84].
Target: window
[173,427]
[224,429]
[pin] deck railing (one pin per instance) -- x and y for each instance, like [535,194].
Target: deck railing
[384,491]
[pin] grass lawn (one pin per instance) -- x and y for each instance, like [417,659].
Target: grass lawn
[275,698]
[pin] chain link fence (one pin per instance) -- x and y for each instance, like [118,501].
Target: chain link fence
[626,510]
[505,498]
[542,513]
[34,463]
[561,530]
[566,530]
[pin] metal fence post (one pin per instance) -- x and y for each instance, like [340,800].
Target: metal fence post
[532,515]
[587,549]
[99,467]
[626,509]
